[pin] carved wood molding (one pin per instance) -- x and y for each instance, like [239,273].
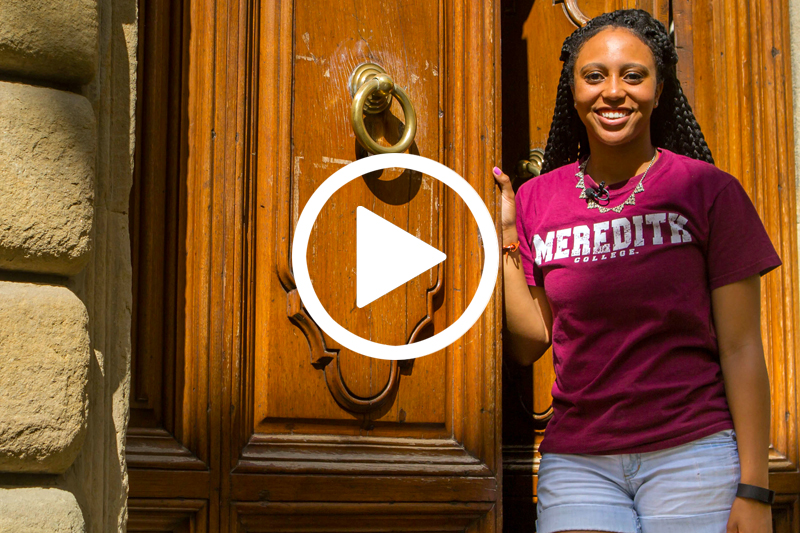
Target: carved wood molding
[322,356]
[786,513]
[360,487]
[146,514]
[323,350]
[161,427]
[157,448]
[778,462]
[169,484]
[276,517]
[348,455]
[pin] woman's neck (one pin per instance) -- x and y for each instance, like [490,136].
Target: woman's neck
[613,164]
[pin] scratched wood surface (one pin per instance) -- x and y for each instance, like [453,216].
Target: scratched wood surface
[344,427]
[329,45]
[734,67]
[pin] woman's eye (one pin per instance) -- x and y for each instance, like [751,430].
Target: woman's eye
[634,77]
[593,77]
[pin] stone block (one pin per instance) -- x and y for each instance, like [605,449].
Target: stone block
[44,368]
[48,146]
[39,510]
[49,39]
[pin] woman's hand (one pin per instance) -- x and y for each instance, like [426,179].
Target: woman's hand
[749,516]
[508,209]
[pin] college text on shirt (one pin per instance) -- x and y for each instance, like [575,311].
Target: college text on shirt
[610,239]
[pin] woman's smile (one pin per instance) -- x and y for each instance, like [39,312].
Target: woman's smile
[613,116]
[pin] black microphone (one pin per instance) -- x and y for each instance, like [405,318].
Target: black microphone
[598,194]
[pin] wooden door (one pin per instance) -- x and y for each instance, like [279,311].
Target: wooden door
[245,416]
[735,69]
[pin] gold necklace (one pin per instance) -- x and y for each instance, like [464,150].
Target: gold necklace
[592,203]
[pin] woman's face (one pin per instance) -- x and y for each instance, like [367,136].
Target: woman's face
[615,87]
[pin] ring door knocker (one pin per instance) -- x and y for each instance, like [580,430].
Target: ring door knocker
[574,12]
[372,90]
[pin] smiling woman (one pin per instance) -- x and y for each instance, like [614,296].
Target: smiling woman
[615,91]
[660,372]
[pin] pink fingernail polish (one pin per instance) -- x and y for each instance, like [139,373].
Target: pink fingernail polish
[497,171]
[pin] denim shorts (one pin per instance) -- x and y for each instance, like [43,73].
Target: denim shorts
[686,488]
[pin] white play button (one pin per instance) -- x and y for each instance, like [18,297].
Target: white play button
[387,256]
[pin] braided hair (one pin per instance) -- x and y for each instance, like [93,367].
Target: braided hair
[672,124]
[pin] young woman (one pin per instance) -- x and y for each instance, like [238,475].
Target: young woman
[639,261]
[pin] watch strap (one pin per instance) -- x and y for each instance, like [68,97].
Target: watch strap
[753,492]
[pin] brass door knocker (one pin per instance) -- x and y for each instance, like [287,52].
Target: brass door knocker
[372,90]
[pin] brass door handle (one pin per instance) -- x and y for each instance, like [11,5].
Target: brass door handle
[372,90]
[531,166]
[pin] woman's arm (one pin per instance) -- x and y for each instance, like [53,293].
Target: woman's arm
[737,320]
[529,321]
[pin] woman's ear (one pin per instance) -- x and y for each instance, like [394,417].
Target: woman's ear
[659,90]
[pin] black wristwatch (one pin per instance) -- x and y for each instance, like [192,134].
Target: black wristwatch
[753,492]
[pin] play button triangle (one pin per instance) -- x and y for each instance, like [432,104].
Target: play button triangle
[387,256]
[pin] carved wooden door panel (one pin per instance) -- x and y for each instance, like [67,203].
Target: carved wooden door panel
[245,415]
[323,436]
[735,70]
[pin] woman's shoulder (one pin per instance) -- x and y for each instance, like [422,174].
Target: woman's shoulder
[697,172]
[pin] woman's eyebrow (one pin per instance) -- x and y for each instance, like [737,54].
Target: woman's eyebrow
[635,65]
[588,66]
[602,66]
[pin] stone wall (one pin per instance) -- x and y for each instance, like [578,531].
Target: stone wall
[67,92]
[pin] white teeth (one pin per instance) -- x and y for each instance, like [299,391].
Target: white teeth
[613,114]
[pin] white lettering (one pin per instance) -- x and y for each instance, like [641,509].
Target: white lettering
[679,233]
[622,233]
[600,245]
[582,245]
[562,243]
[637,223]
[655,220]
[622,253]
[544,249]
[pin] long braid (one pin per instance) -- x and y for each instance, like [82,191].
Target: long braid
[564,140]
[678,130]
[672,125]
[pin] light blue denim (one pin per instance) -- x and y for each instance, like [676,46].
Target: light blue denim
[688,488]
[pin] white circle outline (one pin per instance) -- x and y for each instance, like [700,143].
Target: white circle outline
[428,167]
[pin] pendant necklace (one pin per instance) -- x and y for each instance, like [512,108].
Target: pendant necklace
[592,196]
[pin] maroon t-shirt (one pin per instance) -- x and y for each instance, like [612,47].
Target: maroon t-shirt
[634,348]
